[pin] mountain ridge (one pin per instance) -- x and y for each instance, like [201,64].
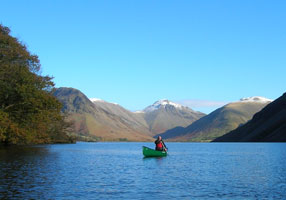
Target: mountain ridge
[95,122]
[102,120]
[268,125]
[217,123]
[110,121]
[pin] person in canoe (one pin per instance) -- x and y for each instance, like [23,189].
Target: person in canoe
[160,145]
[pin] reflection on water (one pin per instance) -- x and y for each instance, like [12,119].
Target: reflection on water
[22,169]
[119,171]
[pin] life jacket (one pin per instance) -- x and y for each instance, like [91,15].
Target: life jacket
[159,145]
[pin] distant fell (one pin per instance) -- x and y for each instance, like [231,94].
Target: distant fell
[100,120]
[219,122]
[135,121]
[164,115]
[268,125]
[96,119]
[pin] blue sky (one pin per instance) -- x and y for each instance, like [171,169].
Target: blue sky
[136,52]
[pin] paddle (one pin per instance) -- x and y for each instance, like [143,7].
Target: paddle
[164,146]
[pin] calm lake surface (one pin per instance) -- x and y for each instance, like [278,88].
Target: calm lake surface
[119,171]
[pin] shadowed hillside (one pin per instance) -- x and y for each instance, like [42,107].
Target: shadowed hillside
[268,125]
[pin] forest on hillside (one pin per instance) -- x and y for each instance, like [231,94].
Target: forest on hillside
[29,113]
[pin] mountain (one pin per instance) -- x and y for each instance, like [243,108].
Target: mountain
[164,115]
[100,120]
[135,121]
[268,125]
[219,121]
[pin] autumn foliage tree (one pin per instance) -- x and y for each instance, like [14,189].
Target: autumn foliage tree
[29,113]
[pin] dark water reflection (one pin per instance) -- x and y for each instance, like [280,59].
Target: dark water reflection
[119,171]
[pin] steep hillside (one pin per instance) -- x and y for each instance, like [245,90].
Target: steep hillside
[268,125]
[94,121]
[135,121]
[218,122]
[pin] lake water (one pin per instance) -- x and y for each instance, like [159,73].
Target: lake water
[119,171]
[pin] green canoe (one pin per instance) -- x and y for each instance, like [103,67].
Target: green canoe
[147,152]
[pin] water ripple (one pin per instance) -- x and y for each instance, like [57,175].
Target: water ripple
[118,171]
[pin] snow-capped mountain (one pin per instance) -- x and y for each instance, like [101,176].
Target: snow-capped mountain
[268,125]
[256,99]
[164,115]
[162,103]
[157,118]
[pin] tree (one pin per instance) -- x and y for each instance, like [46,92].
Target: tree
[29,113]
